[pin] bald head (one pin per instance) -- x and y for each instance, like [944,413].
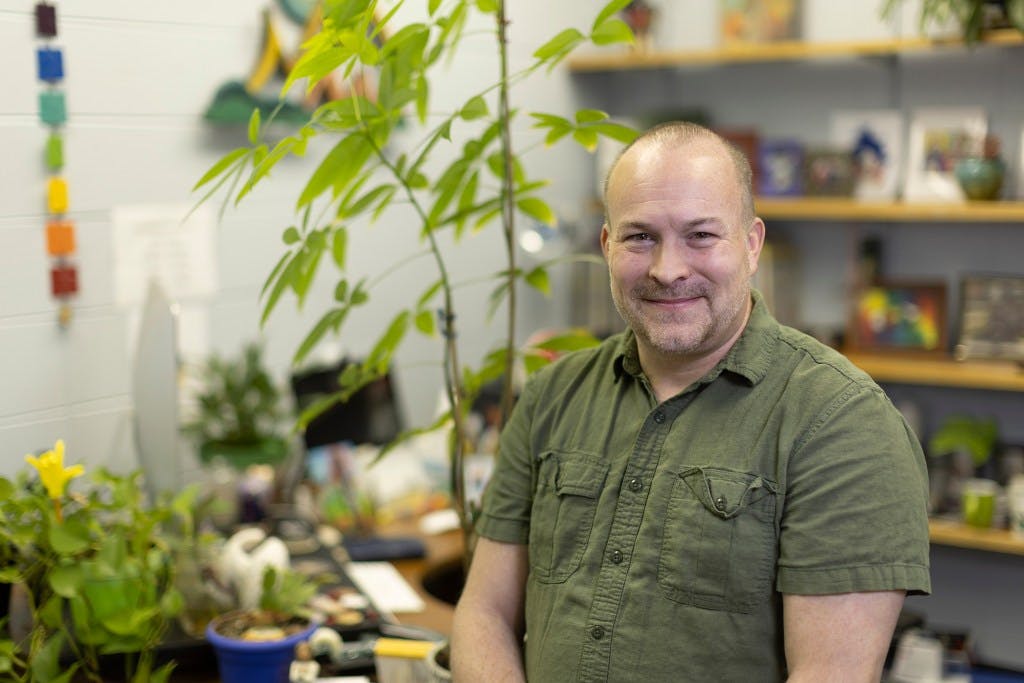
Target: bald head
[678,135]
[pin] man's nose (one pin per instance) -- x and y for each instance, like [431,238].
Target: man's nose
[669,263]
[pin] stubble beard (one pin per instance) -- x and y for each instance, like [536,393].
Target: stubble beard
[677,334]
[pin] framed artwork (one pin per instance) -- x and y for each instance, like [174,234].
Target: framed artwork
[892,316]
[938,139]
[759,21]
[780,167]
[828,172]
[875,139]
[991,320]
[747,141]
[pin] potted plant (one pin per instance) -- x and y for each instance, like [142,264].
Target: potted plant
[238,411]
[451,189]
[256,644]
[93,573]
[973,16]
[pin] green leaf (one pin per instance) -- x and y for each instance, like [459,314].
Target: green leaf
[574,340]
[539,280]
[341,165]
[66,580]
[432,7]
[291,235]
[254,126]
[612,8]
[590,116]
[586,137]
[426,323]
[69,537]
[487,6]
[475,108]
[328,321]
[380,356]
[45,665]
[615,131]
[612,31]
[537,208]
[560,45]
[226,161]
[429,293]
[339,247]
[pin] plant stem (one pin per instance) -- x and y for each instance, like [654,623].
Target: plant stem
[508,211]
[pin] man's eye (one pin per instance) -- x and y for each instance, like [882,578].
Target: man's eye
[638,237]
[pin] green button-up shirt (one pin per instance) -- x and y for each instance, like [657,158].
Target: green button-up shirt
[662,536]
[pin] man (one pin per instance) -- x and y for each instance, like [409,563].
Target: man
[707,496]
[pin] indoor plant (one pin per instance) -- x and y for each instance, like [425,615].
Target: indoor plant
[973,16]
[255,645]
[239,415]
[450,188]
[94,568]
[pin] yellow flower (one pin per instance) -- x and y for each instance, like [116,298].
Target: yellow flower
[52,473]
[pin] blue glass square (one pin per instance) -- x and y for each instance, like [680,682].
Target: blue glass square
[51,64]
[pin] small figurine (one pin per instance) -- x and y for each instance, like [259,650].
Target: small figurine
[304,669]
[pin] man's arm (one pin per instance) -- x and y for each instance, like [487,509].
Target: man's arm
[839,638]
[488,627]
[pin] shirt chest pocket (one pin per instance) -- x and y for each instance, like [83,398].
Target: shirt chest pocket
[562,516]
[719,543]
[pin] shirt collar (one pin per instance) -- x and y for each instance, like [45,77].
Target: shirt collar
[750,357]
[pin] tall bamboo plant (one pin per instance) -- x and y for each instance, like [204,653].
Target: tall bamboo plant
[481,183]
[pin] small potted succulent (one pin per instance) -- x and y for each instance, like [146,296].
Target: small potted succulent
[239,415]
[257,645]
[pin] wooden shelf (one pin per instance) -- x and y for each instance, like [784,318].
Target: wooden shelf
[940,371]
[839,209]
[776,52]
[946,532]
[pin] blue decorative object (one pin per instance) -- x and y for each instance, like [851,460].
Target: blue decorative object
[51,64]
[241,661]
[781,164]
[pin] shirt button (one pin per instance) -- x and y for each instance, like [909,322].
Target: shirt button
[635,485]
[659,417]
[597,632]
[720,503]
[616,557]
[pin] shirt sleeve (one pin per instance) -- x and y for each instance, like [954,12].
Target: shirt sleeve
[509,496]
[855,516]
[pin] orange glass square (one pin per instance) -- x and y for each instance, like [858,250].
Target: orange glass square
[60,238]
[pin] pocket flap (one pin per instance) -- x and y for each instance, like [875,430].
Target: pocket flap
[726,492]
[577,477]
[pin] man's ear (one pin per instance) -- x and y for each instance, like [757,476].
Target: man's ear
[604,240]
[755,242]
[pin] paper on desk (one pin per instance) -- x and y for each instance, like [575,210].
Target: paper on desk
[385,587]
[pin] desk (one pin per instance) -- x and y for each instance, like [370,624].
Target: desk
[442,549]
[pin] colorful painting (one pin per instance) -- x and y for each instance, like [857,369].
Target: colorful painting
[900,317]
[760,21]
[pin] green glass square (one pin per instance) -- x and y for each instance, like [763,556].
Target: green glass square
[51,107]
[54,152]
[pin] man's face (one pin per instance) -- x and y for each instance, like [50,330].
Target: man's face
[679,251]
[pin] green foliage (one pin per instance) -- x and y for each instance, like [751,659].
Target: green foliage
[286,592]
[97,566]
[973,16]
[463,174]
[963,433]
[239,402]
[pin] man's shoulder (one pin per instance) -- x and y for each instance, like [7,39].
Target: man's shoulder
[813,361]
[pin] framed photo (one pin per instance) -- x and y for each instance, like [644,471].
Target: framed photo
[780,166]
[892,316]
[875,140]
[828,172]
[938,139]
[991,321]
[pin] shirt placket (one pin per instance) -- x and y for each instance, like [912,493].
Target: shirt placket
[599,633]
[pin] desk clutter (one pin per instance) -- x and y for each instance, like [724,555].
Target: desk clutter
[346,613]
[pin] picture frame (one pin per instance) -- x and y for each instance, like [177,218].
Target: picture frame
[828,172]
[899,317]
[875,140]
[780,167]
[759,21]
[938,138]
[990,323]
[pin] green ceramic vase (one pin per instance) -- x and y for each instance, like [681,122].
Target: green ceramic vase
[980,177]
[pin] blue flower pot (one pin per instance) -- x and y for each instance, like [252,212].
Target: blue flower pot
[241,661]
